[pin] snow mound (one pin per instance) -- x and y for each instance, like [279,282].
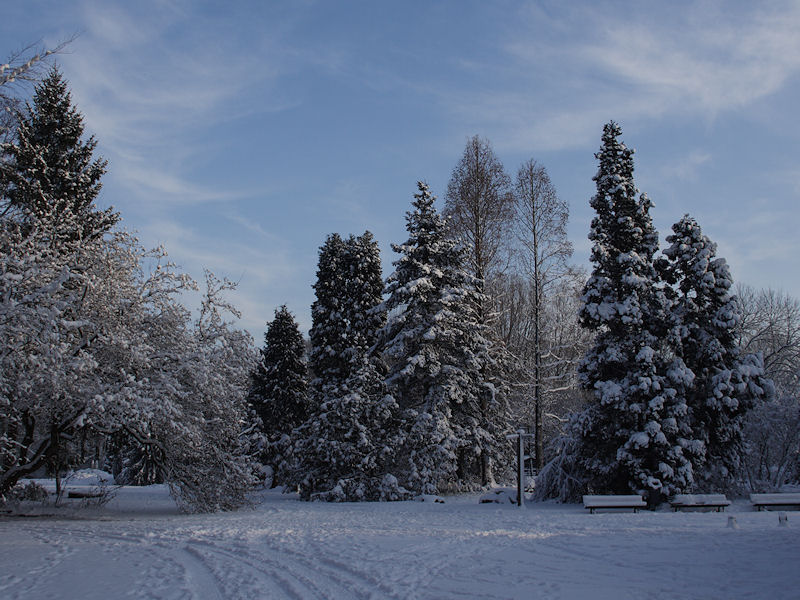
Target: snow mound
[89,477]
[503,495]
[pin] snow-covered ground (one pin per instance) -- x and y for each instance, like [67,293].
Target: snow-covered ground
[139,546]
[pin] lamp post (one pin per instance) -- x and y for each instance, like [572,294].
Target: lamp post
[520,437]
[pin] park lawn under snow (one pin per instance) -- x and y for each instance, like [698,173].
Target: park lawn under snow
[140,546]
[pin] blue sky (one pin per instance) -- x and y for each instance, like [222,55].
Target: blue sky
[240,136]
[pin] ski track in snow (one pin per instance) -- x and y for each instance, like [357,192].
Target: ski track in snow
[295,550]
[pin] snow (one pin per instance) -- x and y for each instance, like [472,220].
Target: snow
[140,546]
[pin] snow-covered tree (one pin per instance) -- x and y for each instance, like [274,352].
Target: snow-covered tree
[327,360]
[21,68]
[345,448]
[89,340]
[341,451]
[437,352]
[48,168]
[632,434]
[220,471]
[92,345]
[279,389]
[44,350]
[726,385]
[363,284]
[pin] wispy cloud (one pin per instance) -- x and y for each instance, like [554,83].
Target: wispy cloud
[149,76]
[706,61]
[685,168]
[586,65]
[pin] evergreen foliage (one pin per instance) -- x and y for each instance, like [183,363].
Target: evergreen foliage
[341,451]
[279,388]
[48,169]
[329,326]
[726,385]
[437,352]
[633,434]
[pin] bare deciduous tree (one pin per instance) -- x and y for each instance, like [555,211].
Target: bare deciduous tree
[542,232]
[770,325]
[563,342]
[480,208]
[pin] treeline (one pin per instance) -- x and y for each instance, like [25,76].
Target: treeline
[413,386]
[652,374]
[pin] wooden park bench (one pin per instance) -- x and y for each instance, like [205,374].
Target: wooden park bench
[766,501]
[716,501]
[594,503]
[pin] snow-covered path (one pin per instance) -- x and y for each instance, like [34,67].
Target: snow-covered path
[138,547]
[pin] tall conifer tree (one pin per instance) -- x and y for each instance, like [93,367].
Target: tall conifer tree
[437,351]
[342,449]
[279,389]
[631,437]
[726,385]
[48,169]
[328,327]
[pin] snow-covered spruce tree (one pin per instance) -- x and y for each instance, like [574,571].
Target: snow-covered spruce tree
[327,360]
[726,385]
[48,168]
[48,183]
[21,68]
[279,388]
[631,435]
[345,447]
[436,352]
[342,450]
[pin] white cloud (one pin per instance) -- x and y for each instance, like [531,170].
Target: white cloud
[710,65]
[148,77]
[571,69]
[685,168]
